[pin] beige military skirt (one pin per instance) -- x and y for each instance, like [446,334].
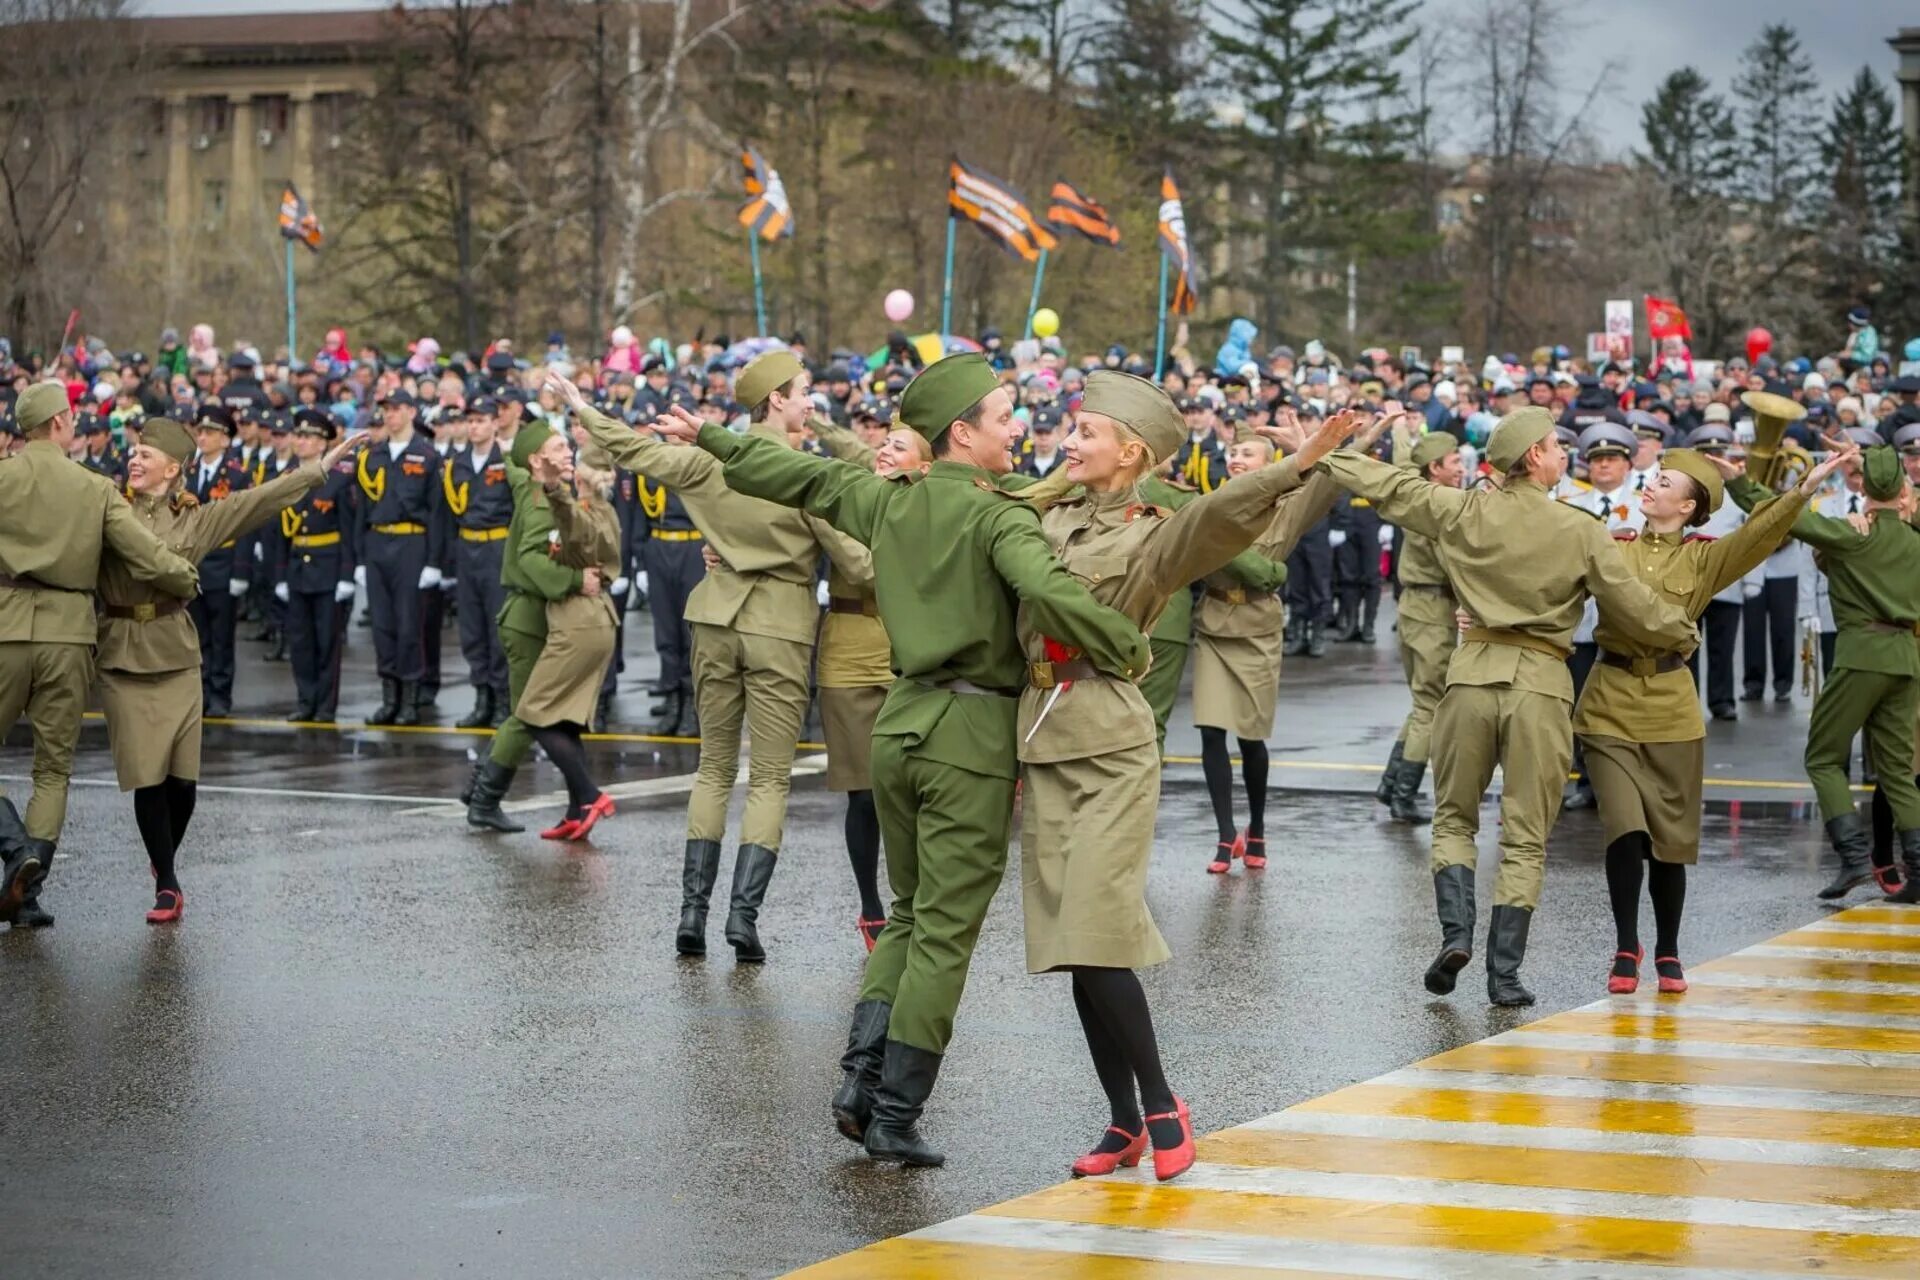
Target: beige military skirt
[564,685]
[1086,834]
[1236,683]
[153,725]
[1652,787]
[846,720]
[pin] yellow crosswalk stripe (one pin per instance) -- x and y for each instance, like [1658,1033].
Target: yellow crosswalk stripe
[1730,1070]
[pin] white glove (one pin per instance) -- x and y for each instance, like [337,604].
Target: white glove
[820,593]
[236,587]
[281,593]
[1386,536]
[1337,537]
[359,575]
[1749,591]
[640,580]
[429,577]
[259,552]
[619,586]
[343,591]
[448,584]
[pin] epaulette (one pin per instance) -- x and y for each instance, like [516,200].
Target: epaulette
[988,486]
[1625,535]
[1701,537]
[1139,509]
[184,501]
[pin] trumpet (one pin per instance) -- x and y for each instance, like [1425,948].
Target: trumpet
[1767,462]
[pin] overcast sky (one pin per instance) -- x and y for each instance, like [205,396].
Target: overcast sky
[1646,38]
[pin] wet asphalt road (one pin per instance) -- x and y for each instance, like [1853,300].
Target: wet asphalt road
[381,1046]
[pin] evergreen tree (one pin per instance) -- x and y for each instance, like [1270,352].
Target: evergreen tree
[1691,139]
[1777,123]
[1146,60]
[1860,209]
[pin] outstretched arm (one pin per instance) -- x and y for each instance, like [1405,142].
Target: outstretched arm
[213,523]
[1057,604]
[1402,497]
[848,497]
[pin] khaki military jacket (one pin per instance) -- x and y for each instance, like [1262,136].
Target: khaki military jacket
[586,535]
[169,642]
[57,521]
[854,650]
[1523,565]
[1239,601]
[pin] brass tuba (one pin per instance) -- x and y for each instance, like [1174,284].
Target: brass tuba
[1767,462]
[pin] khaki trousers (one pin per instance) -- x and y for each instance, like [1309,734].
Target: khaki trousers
[1425,650]
[1530,737]
[760,682]
[47,683]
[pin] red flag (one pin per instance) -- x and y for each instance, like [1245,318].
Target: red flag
[1666,319]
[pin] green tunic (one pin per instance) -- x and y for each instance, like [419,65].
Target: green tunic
[532,578]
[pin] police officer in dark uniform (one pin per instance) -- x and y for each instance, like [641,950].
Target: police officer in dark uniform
[479,502]
[1591,403]
[669,554]
[318,542]
[1309,589]
[1200,463]
[102,456]
[280,459]
[439,425]
[400,554]
[225,573]
[1356,567]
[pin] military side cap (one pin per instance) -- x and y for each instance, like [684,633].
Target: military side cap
[1907,439]
[1710,436]
[595,457]
[170,438]
[217,416]
[528,442]
[944,390]
[1432,447]
[1247,435]
[1603,438]
[312,422]
[1696,468]
[1516,433]
[1880,468]
[1138,405]
[764,375]
[40,404]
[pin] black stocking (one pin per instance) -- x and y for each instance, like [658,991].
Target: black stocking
[152,813]
[1110,1064]
[561,742]
[1882,813]
[181,795]
[1218,768]
[863,851]
[1625,859]
[1117,1000]
[1253,771]
[1667,886]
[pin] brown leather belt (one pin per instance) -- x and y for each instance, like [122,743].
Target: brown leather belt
[850,604]
[1233,595]
[1438,588]
[1045,675]
[1644,667]
[1518,640]
[28,584]
[1895,628]
[145,612]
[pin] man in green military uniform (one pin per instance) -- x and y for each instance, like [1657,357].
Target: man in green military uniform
[1873,580]
[954,557]
[56,520]
[1522,565]
[1428,631]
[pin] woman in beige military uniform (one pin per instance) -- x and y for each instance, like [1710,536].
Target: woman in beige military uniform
[1238,630]
[1639,711]
[149,653]
[1090,761]
[564,686]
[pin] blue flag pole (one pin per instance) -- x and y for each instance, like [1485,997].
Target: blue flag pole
[293,348]
[946,290]
[1033,303]
[1160,331]
[759,293]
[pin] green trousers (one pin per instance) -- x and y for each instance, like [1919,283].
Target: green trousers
[47,683]
[1530,737]
[1884,706]
[1161,685]
[512,741]
[946,831]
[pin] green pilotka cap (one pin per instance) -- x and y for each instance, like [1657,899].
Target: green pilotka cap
[527,443]
[944,390]
[1139,406]
[1433,446]
[1516,433]
[1881,470]
[40,404]
[764,375]
[170,438]
[1693,464]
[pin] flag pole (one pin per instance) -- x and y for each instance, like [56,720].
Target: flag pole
[1160,333]
[293,348]
[759,294]
[946,291]
[1033,303]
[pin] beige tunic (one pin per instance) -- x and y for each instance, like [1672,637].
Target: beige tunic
[564,685]
[1091,760]
[149,667]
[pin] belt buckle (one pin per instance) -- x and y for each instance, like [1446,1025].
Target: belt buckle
[1646,668]
[1041,674]
[144,613]
[1236,595]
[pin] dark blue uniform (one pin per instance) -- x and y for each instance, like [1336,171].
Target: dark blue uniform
[403,533]
[479,505]
[1356,566]
[269,550]
[318,540]
[1201,464]
[216,611]
[668,547]
[110,462]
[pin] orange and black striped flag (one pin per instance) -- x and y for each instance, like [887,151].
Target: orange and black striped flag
[998,210]
[297,221]
[1174,244]
[1072,211]
[766,212]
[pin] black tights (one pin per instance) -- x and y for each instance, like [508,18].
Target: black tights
[561,742]
[1119,1029]
[1666,885]
[1218,767]
[162,812]
[863,850]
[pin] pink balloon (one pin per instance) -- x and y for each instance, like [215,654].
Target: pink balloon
[899,306]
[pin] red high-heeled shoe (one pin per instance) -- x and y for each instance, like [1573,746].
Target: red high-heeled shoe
[1674,985]
[1222,859]
[1887,877]
[1171,1164]
[168,904]
[1097,1164]
[600,808]
[1254,852]
[565,829]
[870,930]
[1625,984]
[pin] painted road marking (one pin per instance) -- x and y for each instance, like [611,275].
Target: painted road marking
[1765,1123]
[672,784]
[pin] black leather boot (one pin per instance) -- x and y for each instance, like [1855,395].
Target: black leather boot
[389,702]
[1384,792]
[1343,627]
[1849,837]
[1296,637]
[302,714]
[482,714]
[1909,892]
[1369,611]
[473,777]
[502,704]
[603,711]
[1506,948]
[1453,905]
[1406,794]
[1316,639]
[668,725]
[906,1081]
[20,857]
[702,868]
[860,1068]
[662,700]
[31,914]
[490,784]
[408,710]
[752,869]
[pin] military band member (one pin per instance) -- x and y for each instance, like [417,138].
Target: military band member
[479,502]
[319,549]
[1427,628]
[402,547]
[215,474]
